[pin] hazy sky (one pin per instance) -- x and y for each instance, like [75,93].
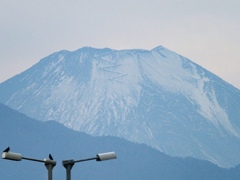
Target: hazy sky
[205,31]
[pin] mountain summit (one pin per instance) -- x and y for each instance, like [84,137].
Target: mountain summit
[154,97]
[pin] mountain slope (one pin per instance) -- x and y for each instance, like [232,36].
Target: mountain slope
[154,97]
[36,139]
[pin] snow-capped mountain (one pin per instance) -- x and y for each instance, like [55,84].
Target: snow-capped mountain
[155,97]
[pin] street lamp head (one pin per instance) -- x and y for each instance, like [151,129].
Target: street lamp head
[49,161]
[106,156]
[12,156]
[18,157]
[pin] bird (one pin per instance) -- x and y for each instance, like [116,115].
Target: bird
[7,149]
[50,157]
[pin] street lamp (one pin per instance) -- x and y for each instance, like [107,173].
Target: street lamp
[18,157]
[68,164]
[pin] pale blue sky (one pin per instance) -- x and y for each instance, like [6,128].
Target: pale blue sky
[205,31]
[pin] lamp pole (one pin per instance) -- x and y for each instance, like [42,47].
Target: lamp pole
[18,157]
[68,164]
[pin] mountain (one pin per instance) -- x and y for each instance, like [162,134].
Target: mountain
[154,97]
[35,139]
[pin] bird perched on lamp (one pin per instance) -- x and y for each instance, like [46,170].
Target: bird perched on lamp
[50,157]
[7,149]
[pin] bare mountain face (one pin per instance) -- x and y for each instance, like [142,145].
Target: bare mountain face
[155,97]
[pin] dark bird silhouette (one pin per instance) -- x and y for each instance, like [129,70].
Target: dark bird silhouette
[50,157]
[6,150]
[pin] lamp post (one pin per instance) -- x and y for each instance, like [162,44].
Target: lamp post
[68,164]
[18,157]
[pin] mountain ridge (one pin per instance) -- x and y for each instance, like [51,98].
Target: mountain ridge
[37,139]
